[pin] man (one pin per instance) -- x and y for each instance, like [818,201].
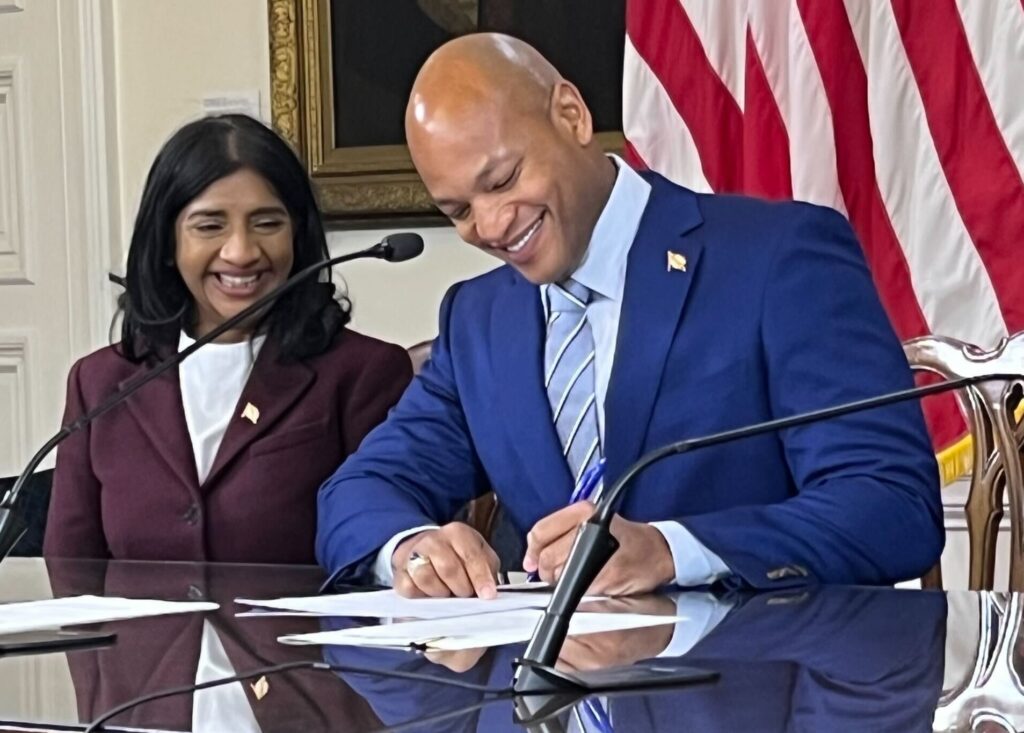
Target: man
[631,313]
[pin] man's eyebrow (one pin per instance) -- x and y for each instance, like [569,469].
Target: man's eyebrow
[441,203]
[486,170]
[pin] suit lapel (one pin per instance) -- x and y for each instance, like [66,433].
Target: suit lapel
[517,328]
[272,389]
[653,301]
[158,410]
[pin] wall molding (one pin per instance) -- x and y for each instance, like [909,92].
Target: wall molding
[90,170]
[15,352]
[14,259]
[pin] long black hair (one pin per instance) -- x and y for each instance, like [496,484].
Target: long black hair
[157,305]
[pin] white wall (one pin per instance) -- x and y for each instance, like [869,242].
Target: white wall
[399,302]
[168,56]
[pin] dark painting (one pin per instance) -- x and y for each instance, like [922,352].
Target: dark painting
[378,46]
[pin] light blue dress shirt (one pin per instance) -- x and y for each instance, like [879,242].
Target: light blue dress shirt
[603,271]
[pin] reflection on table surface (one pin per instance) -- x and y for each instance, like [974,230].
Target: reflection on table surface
[822,659]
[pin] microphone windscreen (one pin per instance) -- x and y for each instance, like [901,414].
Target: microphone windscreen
[402,246]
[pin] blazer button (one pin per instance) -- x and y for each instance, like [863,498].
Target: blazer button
[191,515]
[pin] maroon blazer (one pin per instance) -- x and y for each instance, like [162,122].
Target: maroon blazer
[127,488]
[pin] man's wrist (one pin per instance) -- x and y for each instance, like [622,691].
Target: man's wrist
[384,567]
[695,563]
[665,565]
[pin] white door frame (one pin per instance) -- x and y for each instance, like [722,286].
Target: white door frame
[90,168]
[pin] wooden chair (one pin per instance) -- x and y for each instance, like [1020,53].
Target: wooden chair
[982,676]
[482,512]
[997,440]
[419,354]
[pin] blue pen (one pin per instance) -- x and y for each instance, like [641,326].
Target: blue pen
[590,480]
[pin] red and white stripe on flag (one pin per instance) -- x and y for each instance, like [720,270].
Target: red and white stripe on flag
[905,115]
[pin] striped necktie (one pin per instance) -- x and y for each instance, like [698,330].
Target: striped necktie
[591,716]
[569,375]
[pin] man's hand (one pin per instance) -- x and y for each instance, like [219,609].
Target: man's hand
[642,563]
[451,561]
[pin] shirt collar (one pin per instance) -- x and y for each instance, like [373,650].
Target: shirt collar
[603,269]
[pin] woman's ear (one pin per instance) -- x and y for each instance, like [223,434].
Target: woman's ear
[570,113]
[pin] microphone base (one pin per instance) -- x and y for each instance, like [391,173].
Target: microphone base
[12,527]
[539,709]
[540,679]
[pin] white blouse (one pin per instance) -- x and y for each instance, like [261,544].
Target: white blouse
[212,380]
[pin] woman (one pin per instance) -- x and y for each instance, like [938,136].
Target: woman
[220,460]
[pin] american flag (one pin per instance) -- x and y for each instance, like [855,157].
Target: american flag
[905,115]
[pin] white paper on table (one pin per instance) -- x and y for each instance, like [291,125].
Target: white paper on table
[57,612]
[388,604]
[473,632]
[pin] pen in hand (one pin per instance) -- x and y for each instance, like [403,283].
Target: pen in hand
[585,489]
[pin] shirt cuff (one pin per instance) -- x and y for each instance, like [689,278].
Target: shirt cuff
[702,613]
[695,564]
[383,574]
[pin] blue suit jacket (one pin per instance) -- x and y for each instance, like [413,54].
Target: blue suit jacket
[775,314]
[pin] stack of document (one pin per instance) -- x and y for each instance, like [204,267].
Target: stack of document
[55,613]
[473,632]
[444,623]
[388,604]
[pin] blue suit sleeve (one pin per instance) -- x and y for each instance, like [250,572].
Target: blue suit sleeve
[867,508]
[418,467]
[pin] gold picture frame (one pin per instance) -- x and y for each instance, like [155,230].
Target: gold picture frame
[358,186]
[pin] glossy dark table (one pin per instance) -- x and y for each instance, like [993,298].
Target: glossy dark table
[828,659]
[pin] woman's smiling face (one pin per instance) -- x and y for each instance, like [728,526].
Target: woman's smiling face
[234,244]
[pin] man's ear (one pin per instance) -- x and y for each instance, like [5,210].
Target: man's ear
[570,114]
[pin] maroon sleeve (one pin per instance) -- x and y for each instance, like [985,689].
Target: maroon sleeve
[380,381]
[74,525]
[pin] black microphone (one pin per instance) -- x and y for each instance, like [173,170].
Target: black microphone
[393,248]
[594,545]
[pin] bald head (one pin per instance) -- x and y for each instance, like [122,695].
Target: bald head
[482,71]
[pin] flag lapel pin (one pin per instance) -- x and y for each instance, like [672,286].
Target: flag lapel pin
[251,413]
[260,687]
[676,261]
